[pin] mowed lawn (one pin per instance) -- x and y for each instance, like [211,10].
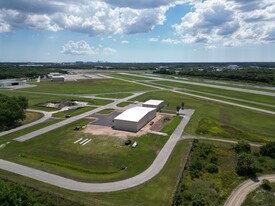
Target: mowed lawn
[249,121]
[87,87]
[36,101]
[101,160]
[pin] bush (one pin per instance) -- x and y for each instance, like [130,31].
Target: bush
[268,150]
[242,146]
[266,185]
[212,168]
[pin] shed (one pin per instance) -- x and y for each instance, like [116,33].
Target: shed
[134,119]
[152,103]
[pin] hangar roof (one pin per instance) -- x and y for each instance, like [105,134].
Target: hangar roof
[153,102]
[134,114]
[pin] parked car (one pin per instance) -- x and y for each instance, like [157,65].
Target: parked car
[135,144]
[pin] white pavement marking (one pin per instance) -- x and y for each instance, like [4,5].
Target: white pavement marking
[83,141]
[70,184]
[86,142]
[78,140]
[240,193]
[46,116]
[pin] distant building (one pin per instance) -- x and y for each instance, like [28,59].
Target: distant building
[56,77]
[134,119]
[11,82]
[233,67]
[157,104]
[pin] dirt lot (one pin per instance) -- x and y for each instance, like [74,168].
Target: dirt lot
[109,131]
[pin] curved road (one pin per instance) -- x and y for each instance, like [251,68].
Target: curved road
[70,184]
[46,115]
[239,194]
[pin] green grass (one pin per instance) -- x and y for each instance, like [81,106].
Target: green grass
[115,96]
[170,126]
[73,112]
[261,197]
[87,87]
[36,101]
[151,193]
[248,121]
[124,104]
[31,117]
[129,77]
[106,111]
[19,133]
[99,161]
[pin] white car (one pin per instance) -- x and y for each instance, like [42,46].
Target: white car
[134,145]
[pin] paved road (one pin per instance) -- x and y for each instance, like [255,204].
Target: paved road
[70,184]
[272,94]
[46,116]
[73,119]
[239,194]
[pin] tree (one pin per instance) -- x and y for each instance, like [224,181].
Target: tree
[212,168]
[242,147]
[246,165]
[178,108]
[268,150]
[12,111]
[182,105]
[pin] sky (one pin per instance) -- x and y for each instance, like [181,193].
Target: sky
[137,30]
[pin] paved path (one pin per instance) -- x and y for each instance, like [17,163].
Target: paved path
[272,94]
[239,194]
[46,116]
[73,119]
[187,136]
[70,184]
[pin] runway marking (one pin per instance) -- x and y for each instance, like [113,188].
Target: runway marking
[78,140]
[87,142]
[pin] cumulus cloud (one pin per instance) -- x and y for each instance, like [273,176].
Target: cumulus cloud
[77,48]
[170,41]
[83,48]
[228,23]
[124,42]
[91,17]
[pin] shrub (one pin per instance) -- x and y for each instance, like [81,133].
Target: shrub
[242,146]
[212,168]
[266,185]
[246,165]
[268,150]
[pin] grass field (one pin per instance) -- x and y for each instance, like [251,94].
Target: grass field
[87,87]
[248,121]
[124,104]
[151,193]
[101,160]
[36,101]
[31,117]
[106,111]
[261,197]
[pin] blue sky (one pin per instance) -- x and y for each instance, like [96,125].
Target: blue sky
[137,30]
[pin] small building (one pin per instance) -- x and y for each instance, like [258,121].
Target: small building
[11,82]
[157,104]
[134,119]
[57,78]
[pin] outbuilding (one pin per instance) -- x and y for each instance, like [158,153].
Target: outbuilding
[57,79]
[11,82]
[134,119]
[152,103]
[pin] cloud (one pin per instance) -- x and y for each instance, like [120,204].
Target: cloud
[170,41]
[124,42]
[109,51]
[153,40]
[77,48]
[228,23]
[97,17]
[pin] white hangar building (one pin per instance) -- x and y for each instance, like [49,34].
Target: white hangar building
[157,104]
[134,119]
